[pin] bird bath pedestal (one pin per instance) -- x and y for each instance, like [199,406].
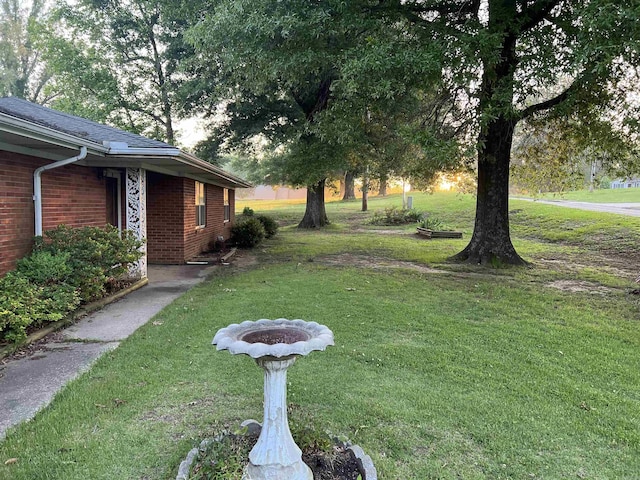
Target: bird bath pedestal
[275,345]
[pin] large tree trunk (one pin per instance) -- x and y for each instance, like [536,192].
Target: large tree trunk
[491,240]
[365,193]
[315,215]
[382,191]
[349,187]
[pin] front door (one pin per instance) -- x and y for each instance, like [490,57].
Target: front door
[113,210]
[112,201]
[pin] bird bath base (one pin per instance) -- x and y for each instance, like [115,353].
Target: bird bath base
[276,456]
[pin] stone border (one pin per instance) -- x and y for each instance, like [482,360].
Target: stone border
[72,317]
[365,464]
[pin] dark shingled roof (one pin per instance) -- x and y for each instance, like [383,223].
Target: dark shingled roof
[72,125]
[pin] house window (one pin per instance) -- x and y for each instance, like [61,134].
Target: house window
[201,206]
[227,207]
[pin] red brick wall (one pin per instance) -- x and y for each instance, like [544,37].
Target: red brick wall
[73,195]
[165,209]
[198,240]
[172,236]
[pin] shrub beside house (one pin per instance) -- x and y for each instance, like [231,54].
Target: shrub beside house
[70,266]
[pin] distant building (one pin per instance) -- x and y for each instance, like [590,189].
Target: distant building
[626,183]
[267,192]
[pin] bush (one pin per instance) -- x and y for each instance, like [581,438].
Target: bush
[247,212]
[24,304]
[45,268]
[66,267]
[19,305]
[269,224]
[396,216]
[412,215]
[95,255]
[432,223]
[248,232]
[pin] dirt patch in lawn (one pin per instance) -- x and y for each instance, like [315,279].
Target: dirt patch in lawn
[620,267]
[577,286]
[382,231]
[243,260]
[364,261]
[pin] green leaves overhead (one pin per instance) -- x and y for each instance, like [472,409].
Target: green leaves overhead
[22,72]
[311,79]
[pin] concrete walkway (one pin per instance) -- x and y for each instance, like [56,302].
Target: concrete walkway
[29,382]
[630,209]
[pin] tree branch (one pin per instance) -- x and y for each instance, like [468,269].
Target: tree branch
[536,13]
[547,104]
[445,8]
[577,84]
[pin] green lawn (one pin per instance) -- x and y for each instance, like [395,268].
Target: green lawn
[618,195]
[440,371]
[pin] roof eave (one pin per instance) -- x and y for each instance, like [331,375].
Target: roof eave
[197,162]
[34,131]
[38,132]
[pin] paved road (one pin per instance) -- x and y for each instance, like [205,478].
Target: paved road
[29,383]
[630,209]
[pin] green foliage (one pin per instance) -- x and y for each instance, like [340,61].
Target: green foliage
[432,223]
[269,224]
[412,215]
[22,72]
[223,459]
[248,232]
[123,62]
[44,268]
[287,76]
[226,457]
[66,267]
[24,303]
[19,305]
[395,216]
[247,212]
[94,255]
[604,182]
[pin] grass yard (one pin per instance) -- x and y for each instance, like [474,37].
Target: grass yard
[607,195]
[440,371]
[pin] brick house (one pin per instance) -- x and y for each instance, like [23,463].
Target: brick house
[57,168]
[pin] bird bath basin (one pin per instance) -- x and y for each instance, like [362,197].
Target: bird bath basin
[275,345]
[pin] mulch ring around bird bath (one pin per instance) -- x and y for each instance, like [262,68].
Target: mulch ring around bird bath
[226,456]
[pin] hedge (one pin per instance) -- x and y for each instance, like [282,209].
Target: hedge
[67,267]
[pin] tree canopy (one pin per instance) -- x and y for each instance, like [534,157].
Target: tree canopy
[22,71]
[121,61]
[500,62]
[291,73]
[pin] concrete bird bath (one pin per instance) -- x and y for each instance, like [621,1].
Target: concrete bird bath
[275,345]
